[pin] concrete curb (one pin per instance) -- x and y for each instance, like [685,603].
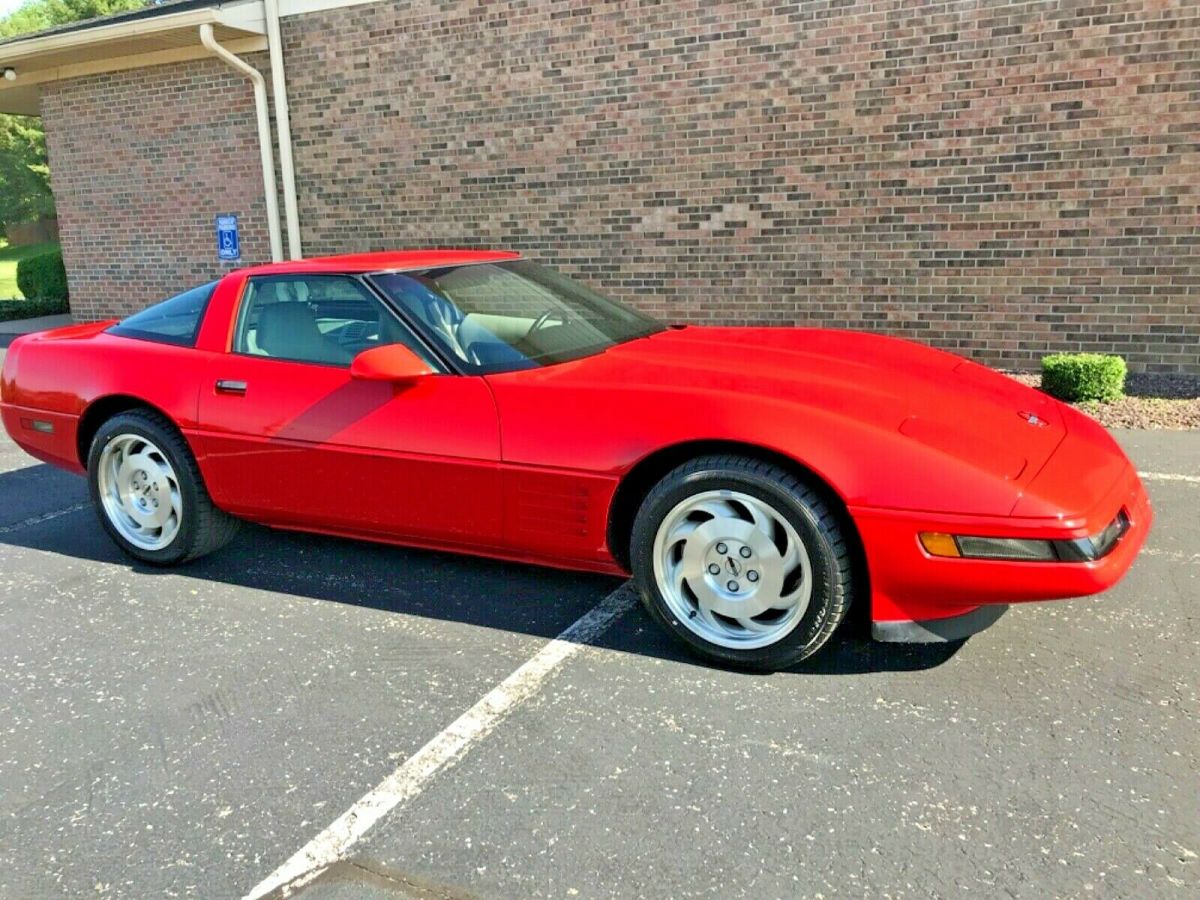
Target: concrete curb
[11,330]
[41,323]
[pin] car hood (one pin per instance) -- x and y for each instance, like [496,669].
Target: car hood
[961,408]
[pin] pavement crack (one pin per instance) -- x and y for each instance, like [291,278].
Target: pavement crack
[44,517]
[412,886]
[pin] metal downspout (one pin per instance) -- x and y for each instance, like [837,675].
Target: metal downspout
[264,134]
[283,124]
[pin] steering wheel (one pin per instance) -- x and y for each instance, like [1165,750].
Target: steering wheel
[444,318]
[548,316]
[443,313]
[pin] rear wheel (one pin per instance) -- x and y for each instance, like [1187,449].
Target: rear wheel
[742,561]
[148,493]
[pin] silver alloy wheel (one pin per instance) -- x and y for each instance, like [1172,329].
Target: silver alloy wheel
[732,569]
[140,492]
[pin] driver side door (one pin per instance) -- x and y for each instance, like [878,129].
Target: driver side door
[291,439]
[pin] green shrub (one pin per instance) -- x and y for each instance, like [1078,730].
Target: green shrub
[11,310]
[1083,376]
[43,277]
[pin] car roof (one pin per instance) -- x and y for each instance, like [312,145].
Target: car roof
[382,262]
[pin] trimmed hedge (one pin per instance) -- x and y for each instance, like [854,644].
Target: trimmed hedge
[10,310]
[43,277]
[1083,376]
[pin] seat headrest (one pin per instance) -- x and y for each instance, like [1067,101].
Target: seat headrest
[282,324]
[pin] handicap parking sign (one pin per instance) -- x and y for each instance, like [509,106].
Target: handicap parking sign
[229,245]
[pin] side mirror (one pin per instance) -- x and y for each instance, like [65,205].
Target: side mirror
[393,362]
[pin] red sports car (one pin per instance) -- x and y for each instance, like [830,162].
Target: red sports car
[755,481]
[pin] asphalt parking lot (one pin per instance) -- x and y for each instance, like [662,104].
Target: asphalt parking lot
[187,733]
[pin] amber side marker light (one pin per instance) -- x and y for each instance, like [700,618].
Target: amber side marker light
[938,544]
[961,546]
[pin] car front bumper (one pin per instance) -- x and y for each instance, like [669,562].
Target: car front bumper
[916,596]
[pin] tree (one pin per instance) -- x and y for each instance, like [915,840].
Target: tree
[38,15]
[24,176]
[24,173]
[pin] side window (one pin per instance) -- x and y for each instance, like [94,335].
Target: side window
[326,319]
[174,321]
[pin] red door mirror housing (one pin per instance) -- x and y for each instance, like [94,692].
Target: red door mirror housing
[393,362]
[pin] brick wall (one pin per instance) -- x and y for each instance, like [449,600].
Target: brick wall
[141,162]
[1001,179]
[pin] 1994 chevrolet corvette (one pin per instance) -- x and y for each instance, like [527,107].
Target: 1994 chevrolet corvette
[755,481]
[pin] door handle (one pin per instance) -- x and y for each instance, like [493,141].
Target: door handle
[224,386]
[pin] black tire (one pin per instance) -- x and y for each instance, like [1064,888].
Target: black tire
[203,528]
[821,531]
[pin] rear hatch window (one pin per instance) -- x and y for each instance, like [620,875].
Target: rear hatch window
[174,321]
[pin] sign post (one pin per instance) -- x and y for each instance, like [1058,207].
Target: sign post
[229,244]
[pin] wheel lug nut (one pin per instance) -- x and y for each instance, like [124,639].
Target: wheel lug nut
[721,548]
[714,569]
[744,553]
[752,576]
[733,586]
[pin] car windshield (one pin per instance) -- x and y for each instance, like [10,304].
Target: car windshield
[500,317]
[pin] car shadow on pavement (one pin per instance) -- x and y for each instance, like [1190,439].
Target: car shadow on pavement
[479,592]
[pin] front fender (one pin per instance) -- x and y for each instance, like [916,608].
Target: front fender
[607,429]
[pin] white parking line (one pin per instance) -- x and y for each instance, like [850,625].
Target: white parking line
[1168,476]
[446,749]
[1172,555]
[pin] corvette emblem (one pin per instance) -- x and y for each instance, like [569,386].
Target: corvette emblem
[1033,419]
[732,565]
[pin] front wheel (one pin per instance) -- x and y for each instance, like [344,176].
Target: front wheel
[742,561]
[148,493]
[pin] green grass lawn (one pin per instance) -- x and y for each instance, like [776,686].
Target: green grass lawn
[9,257]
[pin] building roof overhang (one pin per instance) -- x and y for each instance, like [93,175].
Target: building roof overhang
[154,36]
